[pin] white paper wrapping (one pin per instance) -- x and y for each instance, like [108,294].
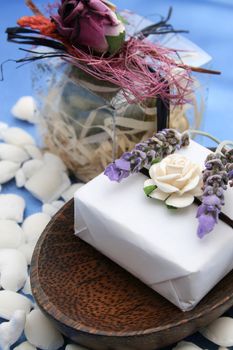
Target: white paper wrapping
[157,245]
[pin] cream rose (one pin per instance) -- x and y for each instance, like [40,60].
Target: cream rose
[175,180]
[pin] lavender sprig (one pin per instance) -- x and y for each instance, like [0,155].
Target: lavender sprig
[215,180]
[157,147]
[229,166]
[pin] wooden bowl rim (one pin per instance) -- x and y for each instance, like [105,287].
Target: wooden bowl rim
[50,309]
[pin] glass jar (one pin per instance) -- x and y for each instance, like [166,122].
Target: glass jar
[88,122]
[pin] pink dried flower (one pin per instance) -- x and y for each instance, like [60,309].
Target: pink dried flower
[90,23]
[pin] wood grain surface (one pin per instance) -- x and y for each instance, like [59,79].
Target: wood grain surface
[98,304]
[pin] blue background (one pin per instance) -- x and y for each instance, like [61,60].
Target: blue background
[210,24]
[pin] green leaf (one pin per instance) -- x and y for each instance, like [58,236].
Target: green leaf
[121,18]
[155,161]
[115,42]
[148,189]
[171,207]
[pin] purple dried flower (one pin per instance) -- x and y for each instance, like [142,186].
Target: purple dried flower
[230,175]
[115,174]
[123,164]
[206,224]
[229,166]
[158,146]
[215,179]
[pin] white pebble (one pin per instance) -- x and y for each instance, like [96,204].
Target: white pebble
[11,234]
[25,346]
[17,136]
[27,250]
[13,269]
[69,193]
[13,153]
[11,301]
[33,151]
[50,158]
[74,347]
[11,331]
[34,225]
[220,331]
[20,178]
[25,109]
[27,287]
[40,332]
[30,167]
[3,126]
[48,183]
[184,345]
[58,204]
[52,208]
[11,207]
[35,306]
[8,170]
[49,209]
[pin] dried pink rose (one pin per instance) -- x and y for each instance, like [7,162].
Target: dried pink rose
[91,23]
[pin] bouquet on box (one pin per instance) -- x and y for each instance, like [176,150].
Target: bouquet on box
[111,83]
[155,235]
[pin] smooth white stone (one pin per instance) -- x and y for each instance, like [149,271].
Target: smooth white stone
[40,332]
[58,204]
[17,136]
[74,347]
[25,346]
[51,158]
[34,225]
[13,153]
[220,331]
[11,331]
[27,287]
[33,151]
[49,209]
[11,301]
[13,269]
[52,208]
[25,109]
[69,193]
[8,170]
[35,306]
[11,234]
[48,183]
[3,126]
[31,167]
[27,250]
[184,345]
[11,207]
[20,178]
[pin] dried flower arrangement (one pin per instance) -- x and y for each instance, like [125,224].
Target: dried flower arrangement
[175,179]
[91,37]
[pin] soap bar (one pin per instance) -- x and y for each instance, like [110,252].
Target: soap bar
[158,245]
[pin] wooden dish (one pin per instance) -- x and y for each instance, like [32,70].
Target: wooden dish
[96,303]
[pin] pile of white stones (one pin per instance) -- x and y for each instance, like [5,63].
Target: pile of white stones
[44,175]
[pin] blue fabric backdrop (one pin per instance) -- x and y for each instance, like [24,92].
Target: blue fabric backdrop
[211,26]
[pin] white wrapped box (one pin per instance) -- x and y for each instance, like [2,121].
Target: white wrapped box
[157,245]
